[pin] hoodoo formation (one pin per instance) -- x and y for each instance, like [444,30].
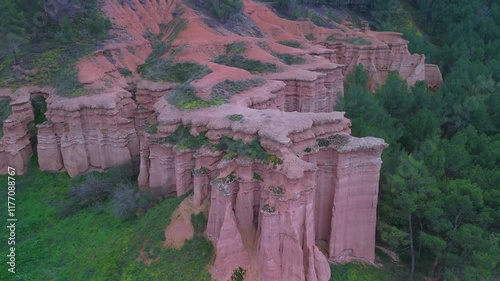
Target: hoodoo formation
[286,186]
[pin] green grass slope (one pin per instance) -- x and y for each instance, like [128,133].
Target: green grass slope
[93,244]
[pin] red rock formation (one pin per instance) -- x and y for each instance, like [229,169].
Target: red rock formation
[270,219]
[87,133]
[15,146]
[270,224]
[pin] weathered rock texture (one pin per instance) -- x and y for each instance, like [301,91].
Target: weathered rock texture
[313,198]
[88,133]
[382,58]
[15,145]
[268,218]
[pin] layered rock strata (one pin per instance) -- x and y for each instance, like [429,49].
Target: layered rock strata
[379,59]
[18,129]
[88,133]
[302,192]
[268,218]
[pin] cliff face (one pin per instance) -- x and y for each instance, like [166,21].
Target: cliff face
[15,145]
[269,218]
[379,60]
[87,133]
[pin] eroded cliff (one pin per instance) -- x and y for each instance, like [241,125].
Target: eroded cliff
[286,186]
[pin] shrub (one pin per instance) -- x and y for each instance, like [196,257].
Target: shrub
[236,48]
[279,190]
[184,140]
[358,40]
[184,97]
[91,191]
[226,89]
[337,141]
[152,129]
[146,201]
[310,37]
[250,65]
[223,9]
[165,70]
[123,173]
[268,208]
[251,150]
[238,274]
[131,50]
[125,72]
[235,117]
[66,34]
[293,44]
[98,25]
[257,177]
[199,223]
[124,201]
[289,59]
[317,20]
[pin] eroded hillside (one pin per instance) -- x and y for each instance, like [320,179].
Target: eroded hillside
[242,114]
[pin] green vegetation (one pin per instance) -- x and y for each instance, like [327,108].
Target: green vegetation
[5,111]
[435,202]
[358,271]
[278,190]
[152,129]
[257,177]
[226,89]
[268,208]
[238,274]
[235,117]
[184,97]
[39,105]
[251,151]
[44,51]
[353,40]
[223,9]
[125,72]
[310,37]
[174,27]
[131,50]
[102,246]
[234,58]
[336,141]
[289,58]
[157,68]
[293,44]
[250,65]
[236,48]
[182,139]
[438,196]
[162,70]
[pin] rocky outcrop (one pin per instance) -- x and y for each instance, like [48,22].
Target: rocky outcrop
[268,217]
[390,54]
[15,145]
[286,188]
[87,133]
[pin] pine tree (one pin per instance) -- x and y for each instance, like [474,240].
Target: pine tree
[67,34]
[12,32]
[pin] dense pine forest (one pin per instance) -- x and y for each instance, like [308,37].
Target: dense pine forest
[439,192]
